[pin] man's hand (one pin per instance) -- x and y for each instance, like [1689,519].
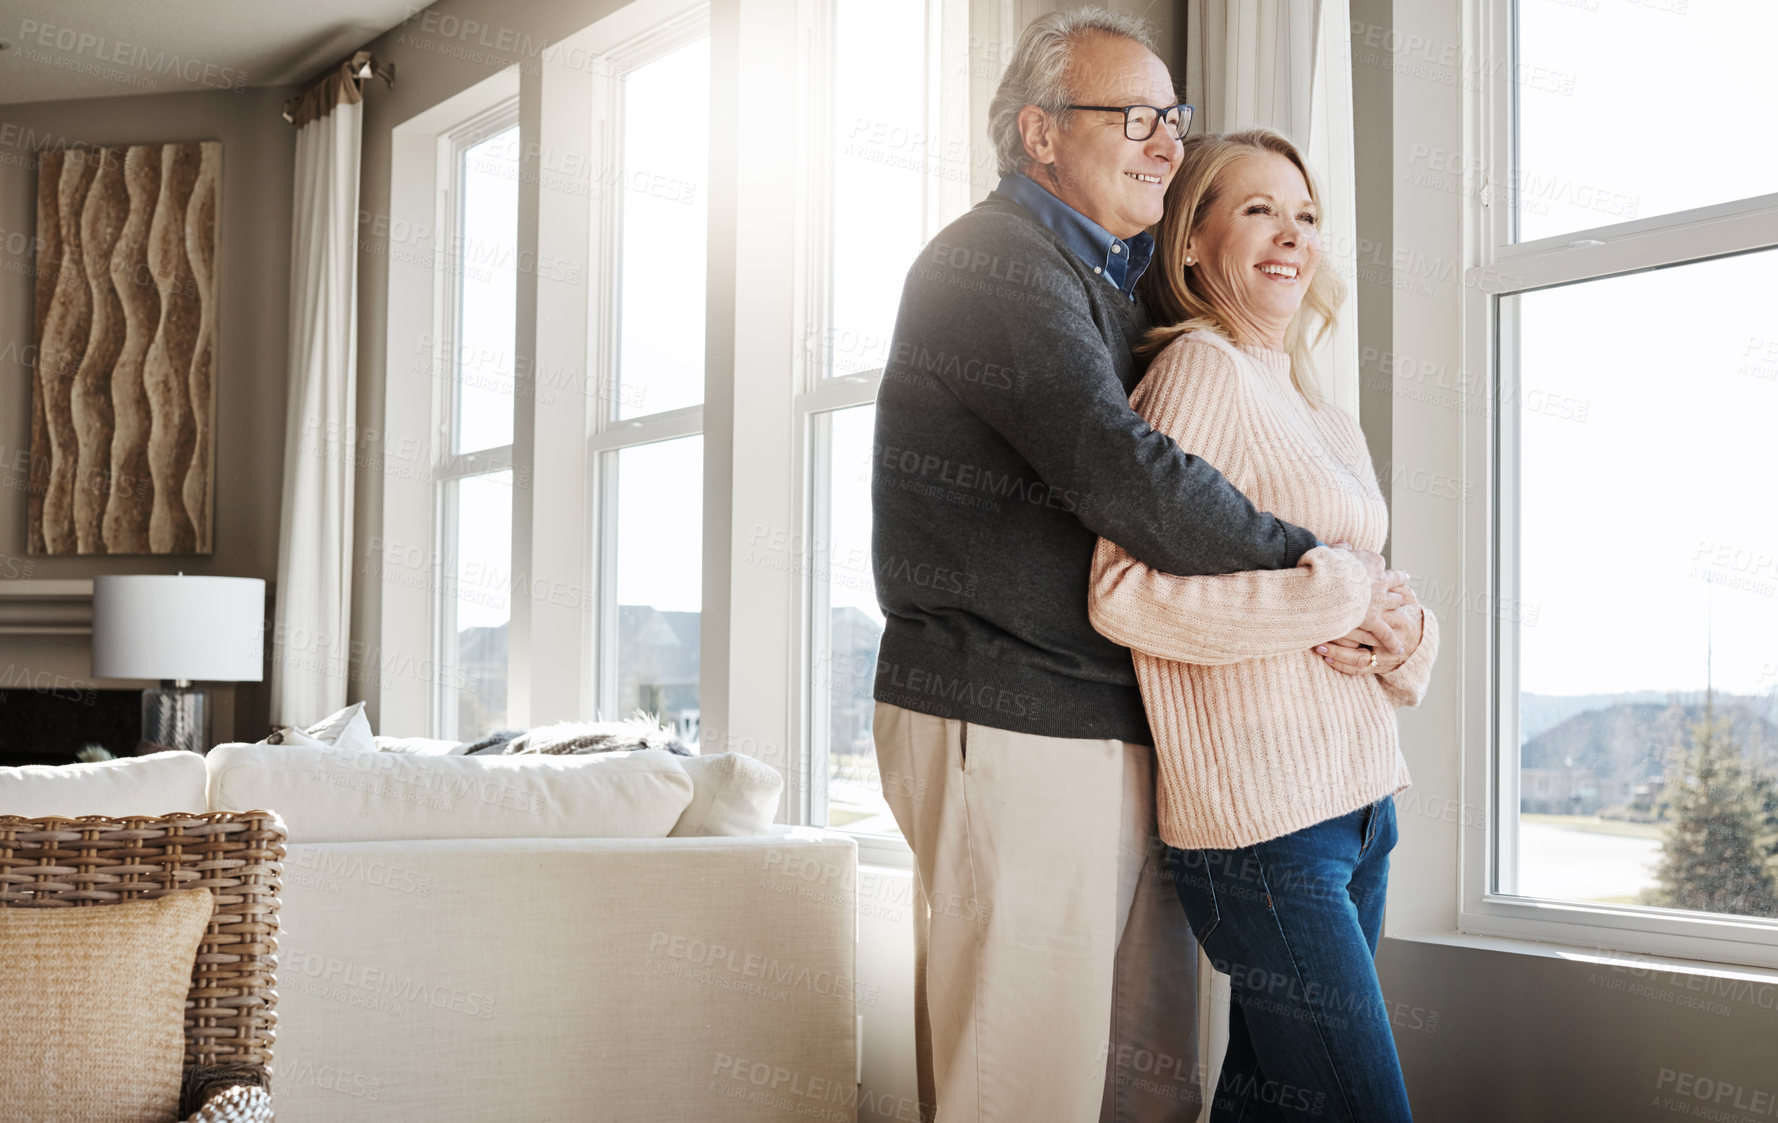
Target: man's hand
[1389,592]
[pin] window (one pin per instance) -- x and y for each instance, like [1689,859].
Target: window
[847,623]
[476,606]
[664,140]
[656,568]
[724,211]
[478,279]
[885,182]
[1623,304]
[1602,138]
[646,449]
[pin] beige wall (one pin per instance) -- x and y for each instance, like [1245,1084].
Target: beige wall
[1486,1036]
[253,282]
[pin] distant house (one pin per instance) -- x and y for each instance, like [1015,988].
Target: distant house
[1558,791]
[657,666]
[480,676]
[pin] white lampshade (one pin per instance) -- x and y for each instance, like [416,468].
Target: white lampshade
[197,628]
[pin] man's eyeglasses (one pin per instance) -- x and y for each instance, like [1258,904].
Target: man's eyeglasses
[1140,121]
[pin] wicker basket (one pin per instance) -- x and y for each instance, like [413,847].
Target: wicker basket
[230,1015]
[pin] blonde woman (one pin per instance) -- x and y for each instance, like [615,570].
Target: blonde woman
[1272,709]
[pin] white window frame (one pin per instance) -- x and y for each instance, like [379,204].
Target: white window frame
[1498,268]
[957,94]
[609,434]
[417,457]
[449,466]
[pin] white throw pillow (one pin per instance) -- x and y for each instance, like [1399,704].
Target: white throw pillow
[347,729]
[340,795]
[155,784]
[295,736]
[732,795]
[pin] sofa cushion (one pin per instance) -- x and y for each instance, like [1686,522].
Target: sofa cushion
[341,795]
[138,785]
[731,795]
[420,746]
[92,1001]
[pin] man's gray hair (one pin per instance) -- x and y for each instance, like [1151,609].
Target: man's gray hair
[1038,73]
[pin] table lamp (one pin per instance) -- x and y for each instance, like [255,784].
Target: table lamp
[179,630]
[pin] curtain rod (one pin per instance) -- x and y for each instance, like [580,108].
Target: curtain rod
[360,66]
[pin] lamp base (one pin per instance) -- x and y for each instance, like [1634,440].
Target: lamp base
[176,714]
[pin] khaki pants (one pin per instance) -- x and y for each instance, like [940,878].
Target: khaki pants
[1055,974]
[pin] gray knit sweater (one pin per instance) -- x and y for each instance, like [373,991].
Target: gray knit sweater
[1005,445]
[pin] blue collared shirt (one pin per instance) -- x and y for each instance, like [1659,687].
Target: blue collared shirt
[1118,261]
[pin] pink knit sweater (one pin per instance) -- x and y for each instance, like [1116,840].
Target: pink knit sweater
[1256,736]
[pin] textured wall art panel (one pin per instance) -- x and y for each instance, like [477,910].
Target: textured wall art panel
[123,403]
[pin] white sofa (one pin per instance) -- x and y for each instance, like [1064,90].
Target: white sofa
[470,938]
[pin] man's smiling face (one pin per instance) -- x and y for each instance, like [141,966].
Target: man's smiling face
[1091,165]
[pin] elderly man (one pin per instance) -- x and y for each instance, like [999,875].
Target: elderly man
[1055,975]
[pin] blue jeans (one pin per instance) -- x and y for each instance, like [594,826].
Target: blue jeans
[1294,923]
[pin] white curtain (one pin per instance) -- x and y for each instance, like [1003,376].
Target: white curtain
[314,594]
[1287,65]
[1284,65]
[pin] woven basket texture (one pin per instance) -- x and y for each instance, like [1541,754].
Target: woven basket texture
[230,1012]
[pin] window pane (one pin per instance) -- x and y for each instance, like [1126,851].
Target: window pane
[659,520]
[661,203]
[845,640]
[479,592]
[486,260]
[881,157]
[1648,571]
[1632,110]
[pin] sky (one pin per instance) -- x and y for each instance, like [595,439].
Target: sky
[487,274]
[885,211]
[664,239]
[882,215]
[661,356]
[661,344]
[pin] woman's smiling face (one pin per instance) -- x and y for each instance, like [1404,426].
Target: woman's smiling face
[1257,247]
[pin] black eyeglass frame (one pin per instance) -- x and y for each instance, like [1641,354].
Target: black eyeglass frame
[1160,114]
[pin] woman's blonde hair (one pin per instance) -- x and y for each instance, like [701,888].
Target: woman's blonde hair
[1173,297]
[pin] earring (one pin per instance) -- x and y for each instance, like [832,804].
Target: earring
[1189,261]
